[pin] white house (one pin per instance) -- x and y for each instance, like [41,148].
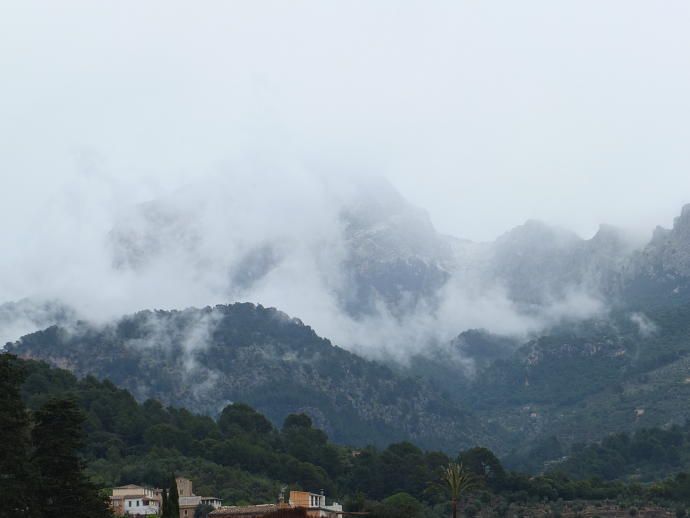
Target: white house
[132,499]
[142,505]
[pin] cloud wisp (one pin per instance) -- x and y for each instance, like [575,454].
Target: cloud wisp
[284,240]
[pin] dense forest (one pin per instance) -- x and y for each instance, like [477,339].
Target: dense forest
[242,458]
[646,455]
[578,383]
[41,470]
[203,358]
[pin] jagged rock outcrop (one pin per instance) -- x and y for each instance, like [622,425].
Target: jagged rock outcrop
[669,250]
[660,273]
[394,253]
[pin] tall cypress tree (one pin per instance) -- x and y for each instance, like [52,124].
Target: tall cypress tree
[173,499]
[63,489]
[164,504]
[15,471]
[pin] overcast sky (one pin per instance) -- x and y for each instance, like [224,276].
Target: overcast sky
[486,113]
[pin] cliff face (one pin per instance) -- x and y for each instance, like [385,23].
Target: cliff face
[539,264]
[669,250]
[659,274]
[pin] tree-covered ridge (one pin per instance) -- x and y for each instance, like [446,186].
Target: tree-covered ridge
[243,458]
[581,382]
[204,358]
[646,455]
[240,457]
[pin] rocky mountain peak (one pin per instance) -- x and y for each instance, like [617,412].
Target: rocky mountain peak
[607,233]
[535,233]
[664,264]
[681,224]
[659,235]
[612,240]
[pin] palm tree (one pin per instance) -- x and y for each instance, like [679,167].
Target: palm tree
[455,480]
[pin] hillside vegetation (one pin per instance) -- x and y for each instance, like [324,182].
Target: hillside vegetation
[243,458]
[205,358]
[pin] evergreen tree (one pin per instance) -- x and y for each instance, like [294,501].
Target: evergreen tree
[164,504]
[173,499]
[15,475]
[63,488]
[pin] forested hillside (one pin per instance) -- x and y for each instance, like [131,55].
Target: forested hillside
[582,382]
[626,369]
[240,456]
[645,455]
[243,458]
[205,358]
[578,383]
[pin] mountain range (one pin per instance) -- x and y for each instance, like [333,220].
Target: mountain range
[391,252]
[578,337]
[204,359]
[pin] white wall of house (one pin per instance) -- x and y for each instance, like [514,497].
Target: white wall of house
[137,506]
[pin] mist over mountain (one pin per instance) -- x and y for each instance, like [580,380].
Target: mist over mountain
[361,264]
[207,358]
[581,380]
[443,233]
[374,259]
[660,272]
[528,344]
[25,316]
[506,343]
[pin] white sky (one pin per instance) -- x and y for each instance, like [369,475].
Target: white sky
[486,113]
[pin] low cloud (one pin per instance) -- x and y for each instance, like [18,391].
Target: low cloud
[645,326]
[278,239]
